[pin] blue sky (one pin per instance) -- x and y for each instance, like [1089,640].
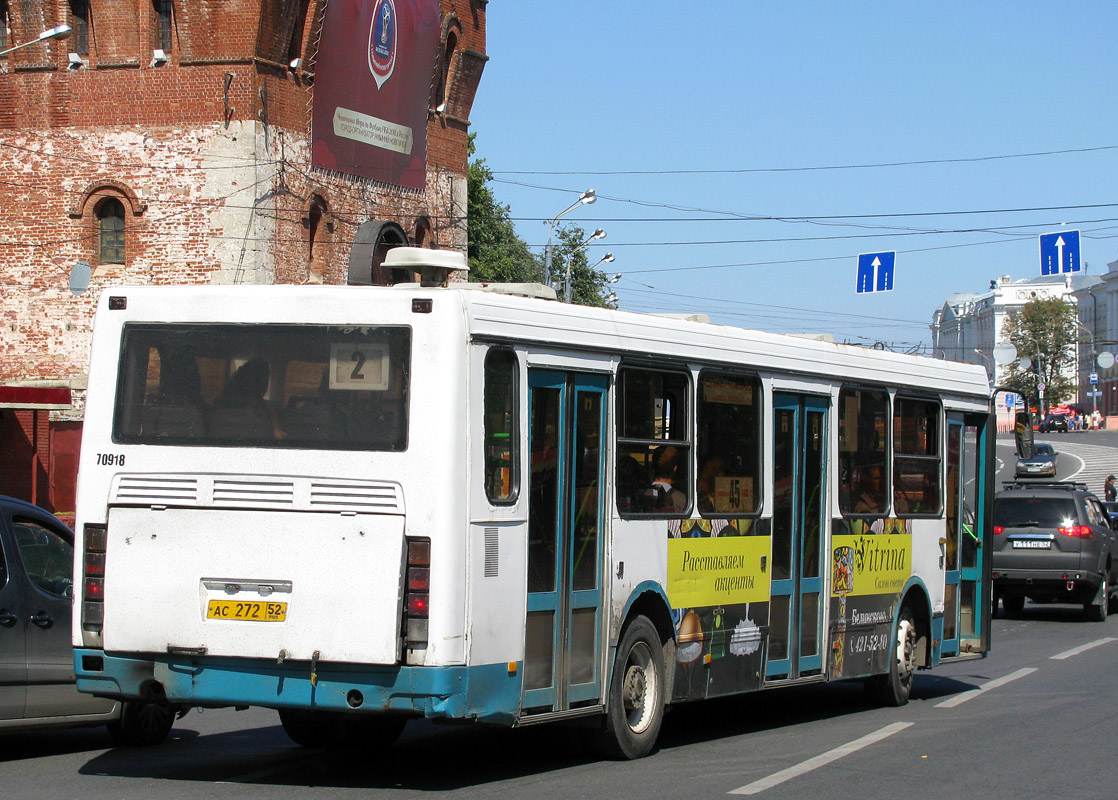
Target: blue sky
[689,118]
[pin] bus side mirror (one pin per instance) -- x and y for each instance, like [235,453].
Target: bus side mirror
[1023,435]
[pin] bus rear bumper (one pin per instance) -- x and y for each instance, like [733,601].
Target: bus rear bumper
[488,693]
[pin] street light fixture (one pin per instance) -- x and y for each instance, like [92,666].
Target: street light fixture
[584,199]
[607,258]
[57,32]
[568,288]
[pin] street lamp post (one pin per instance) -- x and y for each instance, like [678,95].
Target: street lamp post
[57,32]
[568,288]
[584,199]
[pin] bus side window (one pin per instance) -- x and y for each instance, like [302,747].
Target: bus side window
[653,443]
[916,457]
[501,414]
[862,451]
[729,444]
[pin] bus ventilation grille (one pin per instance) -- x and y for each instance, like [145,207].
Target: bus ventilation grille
[490,553]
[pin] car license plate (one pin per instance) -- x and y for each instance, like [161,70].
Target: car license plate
[1032,544]
[246,610]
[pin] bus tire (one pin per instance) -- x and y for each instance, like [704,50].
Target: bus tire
[635,705]
[894,687]
[142,724]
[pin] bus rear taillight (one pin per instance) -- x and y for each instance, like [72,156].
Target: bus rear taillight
[93,578]
[417,593]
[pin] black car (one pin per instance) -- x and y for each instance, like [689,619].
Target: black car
[37,685]
[1053,543]
[1054,423]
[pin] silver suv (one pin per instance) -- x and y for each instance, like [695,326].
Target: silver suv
[1053,543]
[37,686]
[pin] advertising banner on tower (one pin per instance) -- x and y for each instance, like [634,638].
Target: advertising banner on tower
[372,85]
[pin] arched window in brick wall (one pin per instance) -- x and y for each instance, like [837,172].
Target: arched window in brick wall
[424,236]
[79,21]
[163,11]
[320,229]
[108,209]
[5,26]
[295,42]
[452,31]
[110,231]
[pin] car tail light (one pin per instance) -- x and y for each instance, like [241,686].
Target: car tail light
[417,593]
[93,578]
[999,529]
[1077,531]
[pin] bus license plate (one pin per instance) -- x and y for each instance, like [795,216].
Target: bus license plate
[246,610]
[1031,544]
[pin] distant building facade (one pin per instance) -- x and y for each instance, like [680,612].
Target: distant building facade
[969,325]
[171,142]
[1098,314]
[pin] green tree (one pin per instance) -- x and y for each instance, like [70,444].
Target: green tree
[1044,332]
[496,253]
[589,285]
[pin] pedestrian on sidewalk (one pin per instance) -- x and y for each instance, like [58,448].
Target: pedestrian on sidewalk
[1109,490]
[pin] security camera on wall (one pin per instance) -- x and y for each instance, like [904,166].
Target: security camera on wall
[75,61]
[158,57]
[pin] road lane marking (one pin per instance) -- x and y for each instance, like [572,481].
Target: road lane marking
[959,699]
[778,778]
[1082,648]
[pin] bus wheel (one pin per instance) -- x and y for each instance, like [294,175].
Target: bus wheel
[142,724]
[635,706]
[894,687]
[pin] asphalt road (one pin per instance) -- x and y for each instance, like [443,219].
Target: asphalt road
[1030,721]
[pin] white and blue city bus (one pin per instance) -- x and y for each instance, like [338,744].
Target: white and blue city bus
[360,505]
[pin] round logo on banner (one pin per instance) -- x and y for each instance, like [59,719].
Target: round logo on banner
[382,42]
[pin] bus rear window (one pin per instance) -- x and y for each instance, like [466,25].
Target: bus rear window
[286,386]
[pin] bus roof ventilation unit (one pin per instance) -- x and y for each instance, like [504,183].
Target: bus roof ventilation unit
[433,266]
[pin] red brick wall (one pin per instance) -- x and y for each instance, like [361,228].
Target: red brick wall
[209,155]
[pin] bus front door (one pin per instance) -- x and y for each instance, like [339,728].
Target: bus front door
[799,489]
[562,640]
[963,616]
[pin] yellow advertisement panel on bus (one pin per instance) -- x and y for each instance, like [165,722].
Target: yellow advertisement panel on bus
[718,571]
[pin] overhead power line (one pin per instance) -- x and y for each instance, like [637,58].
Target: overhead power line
[754,170]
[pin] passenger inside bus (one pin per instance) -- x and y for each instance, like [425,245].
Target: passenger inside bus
[870,494]
[708,478]
[241,411]
[667,480]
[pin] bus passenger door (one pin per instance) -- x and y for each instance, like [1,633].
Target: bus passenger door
[563,627]
[963,553]
[799,491]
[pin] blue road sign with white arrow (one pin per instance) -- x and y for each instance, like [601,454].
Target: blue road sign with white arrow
[1059,252]
[875,271]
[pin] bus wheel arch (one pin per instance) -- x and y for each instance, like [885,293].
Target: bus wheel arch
[909,650]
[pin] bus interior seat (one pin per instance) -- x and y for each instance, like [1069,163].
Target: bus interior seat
[314,419]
